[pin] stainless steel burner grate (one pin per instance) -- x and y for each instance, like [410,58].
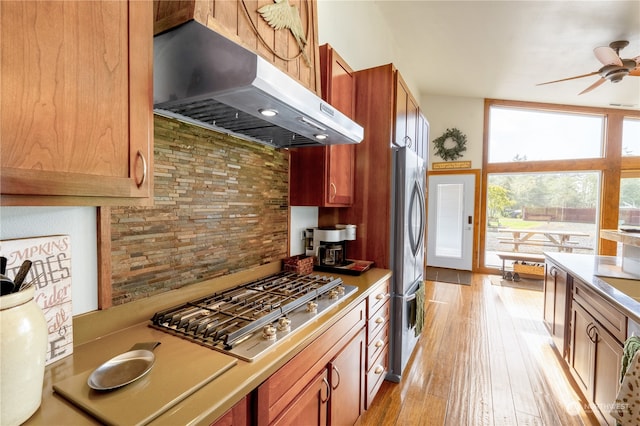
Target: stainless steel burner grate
[248,319]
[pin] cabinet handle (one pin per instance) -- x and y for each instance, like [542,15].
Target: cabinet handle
[379,369]
[335,191]
[379,343]
[381,296]
[144,169]
[338,374]
[407,141]
[379,320]
[326,383]
[553,271]
[592,332]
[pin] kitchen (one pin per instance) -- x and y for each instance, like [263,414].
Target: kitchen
[83,226]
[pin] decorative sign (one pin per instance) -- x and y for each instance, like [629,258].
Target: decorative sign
[451,165]
[51,275]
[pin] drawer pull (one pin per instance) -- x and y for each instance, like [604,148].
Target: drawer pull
[379,320]
[380,296]
[379,369]
[379,343]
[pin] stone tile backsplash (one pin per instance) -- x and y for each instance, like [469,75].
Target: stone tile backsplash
[220,207]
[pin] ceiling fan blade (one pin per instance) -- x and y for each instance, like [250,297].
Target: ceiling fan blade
[593,86]
[607,56]
[570,78]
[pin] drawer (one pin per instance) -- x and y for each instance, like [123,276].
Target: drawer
[377,298]
[378,321]
[604,312]
[375,375]
[376,345]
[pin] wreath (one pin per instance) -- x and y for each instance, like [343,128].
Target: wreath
[454,152]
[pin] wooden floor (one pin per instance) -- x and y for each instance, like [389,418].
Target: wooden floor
[484,358]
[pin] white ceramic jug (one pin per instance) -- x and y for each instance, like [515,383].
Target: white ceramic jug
[23,349]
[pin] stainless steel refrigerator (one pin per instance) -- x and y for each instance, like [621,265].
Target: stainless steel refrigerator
[408,221]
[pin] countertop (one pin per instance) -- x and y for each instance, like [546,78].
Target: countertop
[100,335]
[630,238]
[588,268]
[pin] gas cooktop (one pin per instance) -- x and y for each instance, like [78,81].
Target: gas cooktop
[246,320]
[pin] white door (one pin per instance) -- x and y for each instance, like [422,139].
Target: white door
[450,223]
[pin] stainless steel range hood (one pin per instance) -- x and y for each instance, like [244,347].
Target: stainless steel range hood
[203,78]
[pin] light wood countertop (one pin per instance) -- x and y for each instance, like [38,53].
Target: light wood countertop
[102,334]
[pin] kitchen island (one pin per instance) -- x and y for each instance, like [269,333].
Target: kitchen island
[194,395]
[591,307]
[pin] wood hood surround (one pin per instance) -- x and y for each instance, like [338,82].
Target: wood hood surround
[240,21]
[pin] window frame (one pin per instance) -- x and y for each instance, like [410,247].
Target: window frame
[610,165]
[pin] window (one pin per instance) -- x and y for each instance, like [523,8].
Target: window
[536,212]
[517,134]
[630,137]
[629,213]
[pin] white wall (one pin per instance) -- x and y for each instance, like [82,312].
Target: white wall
[356,29]
[301,218]
[465,114]
[77,222]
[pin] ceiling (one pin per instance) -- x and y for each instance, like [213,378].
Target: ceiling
[502,49]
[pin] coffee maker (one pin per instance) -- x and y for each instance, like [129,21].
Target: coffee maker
[328,244]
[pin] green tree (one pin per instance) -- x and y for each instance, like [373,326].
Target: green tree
[497,200]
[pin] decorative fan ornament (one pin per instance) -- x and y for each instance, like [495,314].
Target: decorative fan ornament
[281,15]
[615,68]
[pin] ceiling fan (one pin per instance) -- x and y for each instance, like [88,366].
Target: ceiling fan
[614,69]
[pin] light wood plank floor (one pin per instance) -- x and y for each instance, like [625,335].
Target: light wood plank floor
[485,358]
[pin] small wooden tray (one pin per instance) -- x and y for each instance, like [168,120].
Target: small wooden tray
[352,267]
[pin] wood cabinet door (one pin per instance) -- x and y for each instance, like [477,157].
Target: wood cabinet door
[422,144]
[608,358]
[549,296]
[310,407]
[323,176]
[76,106]
[346,377]
[582,349]
[400,113]
[406,116]
[560,310]
[238,415]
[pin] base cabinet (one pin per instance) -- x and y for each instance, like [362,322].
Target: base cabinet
[310,406]
[595,354]
[324,383]
[557,305]
[238,415]
[378,315]
[347,382]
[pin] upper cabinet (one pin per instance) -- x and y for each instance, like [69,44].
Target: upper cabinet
[76,108]
[406,115]
[323,176]
[380,92]
[240,21]
[422,144]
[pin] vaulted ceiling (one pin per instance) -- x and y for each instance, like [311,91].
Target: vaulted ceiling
[503,49]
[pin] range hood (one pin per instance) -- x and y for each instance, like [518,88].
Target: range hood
[205,79]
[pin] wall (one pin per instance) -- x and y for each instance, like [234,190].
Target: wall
[220,206]
[465,114]
[77,222]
